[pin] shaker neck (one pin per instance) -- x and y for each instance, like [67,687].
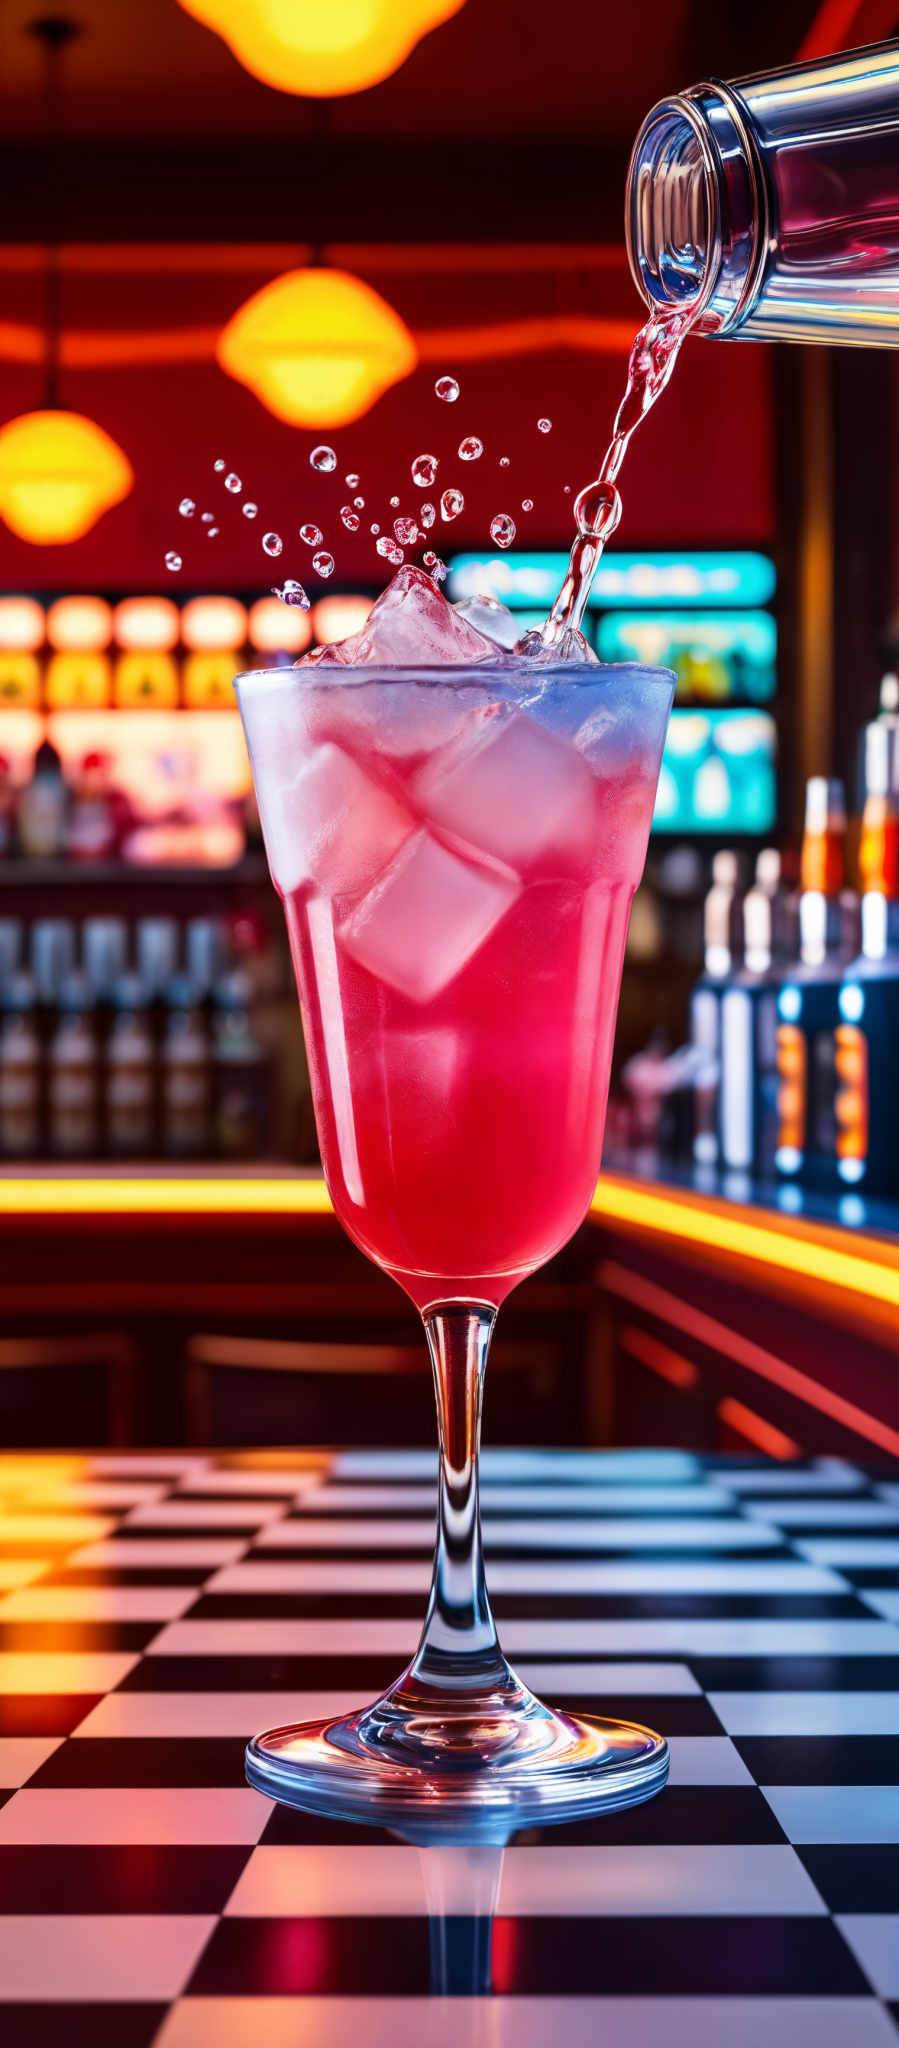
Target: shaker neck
[696,209]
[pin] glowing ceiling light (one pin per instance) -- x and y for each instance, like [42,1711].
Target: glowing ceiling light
[335,618]
[277,628]
[144,623]
[82,624]
[321,51]
[317,347]
[21,623]
[58,473]
[214,622]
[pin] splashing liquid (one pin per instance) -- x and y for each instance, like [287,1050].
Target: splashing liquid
[597,508]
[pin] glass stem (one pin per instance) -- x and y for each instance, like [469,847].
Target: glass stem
[459,1651]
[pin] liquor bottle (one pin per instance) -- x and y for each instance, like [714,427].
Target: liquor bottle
[20,1070]
[867,1100]
[767,207]
[240,1074]
[186,1075]
[91,830]
[44,807]
[808,1004]
[73,1077]
[129,1094]
[749,1078]
[157,959]
[723,941]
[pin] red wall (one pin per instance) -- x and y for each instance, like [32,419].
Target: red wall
[700,471]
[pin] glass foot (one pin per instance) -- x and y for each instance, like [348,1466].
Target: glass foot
[479,1768]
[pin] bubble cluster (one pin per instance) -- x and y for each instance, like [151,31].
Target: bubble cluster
[323,457]
[387,547]
[272,543]
[249,510]
[470,448]
[173,561]
[424,470]
[502,530]
[323,563]
[349,519]
[427,513]
[451,504]
[447,389]
[311,535]
[406,532]
[544,426]
[291,592]
[233,483]
[187,508]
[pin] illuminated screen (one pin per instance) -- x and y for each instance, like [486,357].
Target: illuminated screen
[718,657]
[718,773]
[700,577]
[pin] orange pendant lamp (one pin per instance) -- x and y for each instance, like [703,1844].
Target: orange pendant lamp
[59,471]
[321,48]
[317,347]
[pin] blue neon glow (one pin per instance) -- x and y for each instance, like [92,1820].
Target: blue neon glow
[716,656]
[789,1002]
[852,1002]
[525,581]
[717,773]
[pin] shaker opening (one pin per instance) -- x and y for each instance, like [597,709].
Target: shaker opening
[671,216]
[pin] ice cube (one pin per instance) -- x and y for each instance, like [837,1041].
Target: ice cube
[519,793]
[332,824]
[490,618]
[425,919]
[412,626]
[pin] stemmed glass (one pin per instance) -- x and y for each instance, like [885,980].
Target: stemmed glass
[457,849]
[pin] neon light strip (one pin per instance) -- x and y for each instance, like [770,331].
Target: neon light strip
[715,1336]
[163,1197]
[872,1269]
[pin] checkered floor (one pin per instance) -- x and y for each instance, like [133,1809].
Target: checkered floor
[156,1610]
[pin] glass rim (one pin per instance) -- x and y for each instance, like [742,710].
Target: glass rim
[358,673]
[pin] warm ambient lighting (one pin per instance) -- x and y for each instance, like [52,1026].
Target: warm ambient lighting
[317,347]
[58,473]
[277,628]
[147,624]
[81,625]
[22,624]
[321,50]
[214,623]
[335,618]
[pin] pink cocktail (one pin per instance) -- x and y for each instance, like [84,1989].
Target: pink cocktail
[457,846]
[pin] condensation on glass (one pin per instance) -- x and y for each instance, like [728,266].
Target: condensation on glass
[770,207]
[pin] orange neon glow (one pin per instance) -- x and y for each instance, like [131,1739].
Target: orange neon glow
[84,679]
[135,348]
[669,1365]
[334,618]
[20,683]
[144,623]
[208,679]
[322,52]
[80,625]
[145,678]
[214,624]
[59,472]
[317,347]
[22,624]
[735,1415]
[276,628]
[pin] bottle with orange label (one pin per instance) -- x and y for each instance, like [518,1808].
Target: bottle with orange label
[749,1076]
[867,1100]
[808,1003]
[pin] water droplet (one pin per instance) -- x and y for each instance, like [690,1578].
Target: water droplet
[206,518]
[323,457]
[352,481]
[291,592]
[447,389]
[219,465]
[527,504]
[451,504]
[387,546]
[311,535]
[349,518]
[272,543]
[359,503]
[566,490]
[374,527]
[394,503]
[597,510]
[502,530]
[187,508]
[249,510]
[434,566]
[504,462]
[211,532]
[323,563]
[470,448]
[544,426]
[427,513]
[406,532]
[233,483]
[173,561]
[424,470]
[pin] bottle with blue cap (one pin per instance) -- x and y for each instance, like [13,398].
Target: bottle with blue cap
[808,1002]
[867,1101]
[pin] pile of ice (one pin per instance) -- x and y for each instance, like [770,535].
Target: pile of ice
[411,625]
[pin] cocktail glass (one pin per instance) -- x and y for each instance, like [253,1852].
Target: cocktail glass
[457,850]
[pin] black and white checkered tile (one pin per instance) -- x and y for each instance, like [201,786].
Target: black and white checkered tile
[155,1611]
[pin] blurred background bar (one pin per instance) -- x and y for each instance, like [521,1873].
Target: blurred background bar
[211,259]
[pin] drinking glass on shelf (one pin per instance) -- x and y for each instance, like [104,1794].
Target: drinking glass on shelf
[456,850]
